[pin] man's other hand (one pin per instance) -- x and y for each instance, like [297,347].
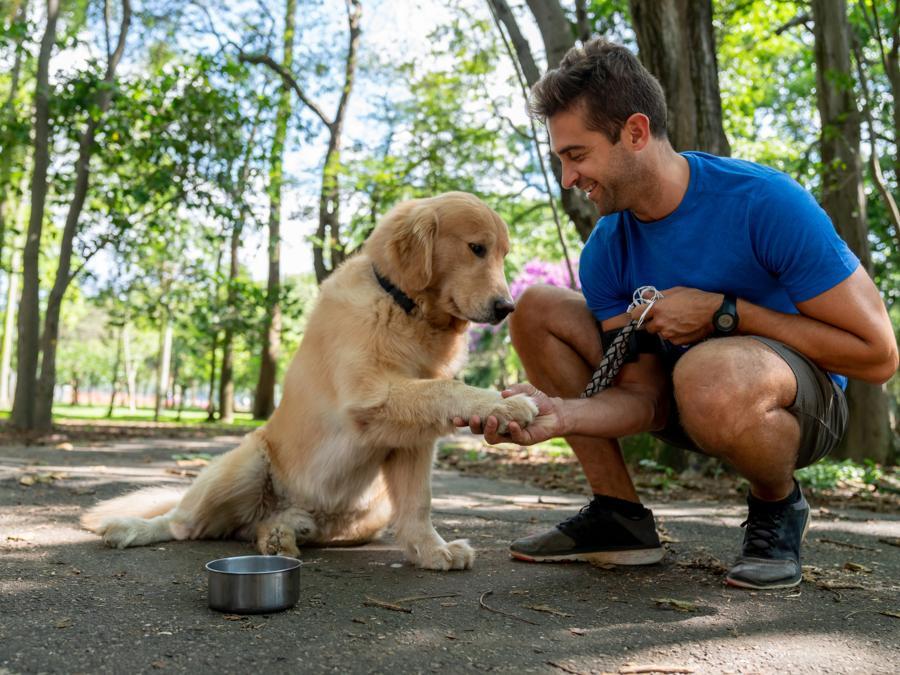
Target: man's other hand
[682,316]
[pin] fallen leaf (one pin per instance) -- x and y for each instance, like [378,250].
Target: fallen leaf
[64,623]
[856,567]
[65,446]
[895,615]
[27,480]
[578,631]
[158,665]
[677,605]
[547,609]
[234,617]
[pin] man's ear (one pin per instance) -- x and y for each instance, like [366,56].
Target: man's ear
[412,247]
[636,131]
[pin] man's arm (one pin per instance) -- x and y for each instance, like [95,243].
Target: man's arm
[844,330]
[637,402]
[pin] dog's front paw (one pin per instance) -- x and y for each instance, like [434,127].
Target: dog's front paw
[519,409]
[454,555]
[120,532]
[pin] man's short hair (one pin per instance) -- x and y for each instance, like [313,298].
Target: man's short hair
[611,84]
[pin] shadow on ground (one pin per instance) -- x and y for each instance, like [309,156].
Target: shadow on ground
[68,604]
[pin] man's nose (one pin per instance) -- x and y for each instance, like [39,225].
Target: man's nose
[569,177]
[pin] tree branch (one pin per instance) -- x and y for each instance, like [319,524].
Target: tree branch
[289,80]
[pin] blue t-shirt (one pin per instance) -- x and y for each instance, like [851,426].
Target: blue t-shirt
[741,228]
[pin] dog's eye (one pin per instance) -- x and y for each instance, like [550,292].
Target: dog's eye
[478,250]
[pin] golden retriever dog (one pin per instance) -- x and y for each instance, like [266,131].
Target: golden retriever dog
[350,447]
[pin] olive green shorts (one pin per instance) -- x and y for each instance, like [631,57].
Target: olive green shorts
[820,407]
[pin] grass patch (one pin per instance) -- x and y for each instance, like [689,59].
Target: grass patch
[189,416]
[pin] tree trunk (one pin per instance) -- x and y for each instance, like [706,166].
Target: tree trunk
[115,374]
[211,403]
[329,230]
[23,411]
[162,368]
[868,433]
[558,37]
[678,46]
[8,323]
[47,382]
[264,403]
[130,369]
[10,151]
[226,376]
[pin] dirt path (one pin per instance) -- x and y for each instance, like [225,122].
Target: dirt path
[67,604]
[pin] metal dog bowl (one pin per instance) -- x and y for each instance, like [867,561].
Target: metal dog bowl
[253,584]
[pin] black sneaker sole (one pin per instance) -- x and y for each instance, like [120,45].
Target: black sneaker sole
[645,556]
[737,583]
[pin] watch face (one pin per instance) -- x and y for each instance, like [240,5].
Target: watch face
[725,322]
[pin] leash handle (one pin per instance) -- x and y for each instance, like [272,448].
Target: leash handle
[617,352]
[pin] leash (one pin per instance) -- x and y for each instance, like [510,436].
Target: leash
[615,355]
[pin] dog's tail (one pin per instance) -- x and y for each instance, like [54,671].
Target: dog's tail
[145,503]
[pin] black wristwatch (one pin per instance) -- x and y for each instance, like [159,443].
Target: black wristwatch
[725,320]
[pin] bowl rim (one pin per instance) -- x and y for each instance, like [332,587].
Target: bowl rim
[290,564]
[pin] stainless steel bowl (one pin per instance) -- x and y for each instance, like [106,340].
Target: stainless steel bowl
[253,584]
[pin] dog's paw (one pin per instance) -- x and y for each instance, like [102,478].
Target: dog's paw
[277,540]
[520,409]
[120,532]
[454,555]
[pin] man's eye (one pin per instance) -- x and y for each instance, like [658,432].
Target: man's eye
[478,250]
[577,158]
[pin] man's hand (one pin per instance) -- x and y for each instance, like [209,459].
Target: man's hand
[548,423]
[682,316]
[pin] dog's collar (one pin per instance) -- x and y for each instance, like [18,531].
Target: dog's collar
[401,298]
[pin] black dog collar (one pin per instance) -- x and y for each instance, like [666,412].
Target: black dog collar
[401,298]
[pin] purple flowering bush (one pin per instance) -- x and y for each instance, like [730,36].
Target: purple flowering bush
[492,362]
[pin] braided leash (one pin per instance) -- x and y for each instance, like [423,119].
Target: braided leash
[615,355]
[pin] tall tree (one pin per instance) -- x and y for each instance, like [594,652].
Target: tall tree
[23,411]
[329,245]
[558,36]
[677,44]
[264,402]
[843,198]
[86,147]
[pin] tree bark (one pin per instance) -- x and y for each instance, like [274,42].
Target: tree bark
[677,44]
[868,432]
[23,411]
[47,382]
[264,402]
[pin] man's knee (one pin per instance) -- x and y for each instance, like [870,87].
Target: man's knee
[722,388]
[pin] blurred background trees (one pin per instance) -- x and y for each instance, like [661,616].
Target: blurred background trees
[177,177]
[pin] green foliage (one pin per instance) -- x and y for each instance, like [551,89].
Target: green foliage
[829,474]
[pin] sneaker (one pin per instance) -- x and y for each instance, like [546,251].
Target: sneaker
[770,556]
[600,532]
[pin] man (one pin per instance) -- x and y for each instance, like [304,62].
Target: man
[743,255]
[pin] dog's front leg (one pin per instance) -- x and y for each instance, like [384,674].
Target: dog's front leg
[407,473]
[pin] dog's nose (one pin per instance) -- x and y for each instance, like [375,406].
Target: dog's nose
[502,308]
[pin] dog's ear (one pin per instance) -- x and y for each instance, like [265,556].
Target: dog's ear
[412,246]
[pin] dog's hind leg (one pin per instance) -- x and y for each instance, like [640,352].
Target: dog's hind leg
[233,492]
[407,473]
